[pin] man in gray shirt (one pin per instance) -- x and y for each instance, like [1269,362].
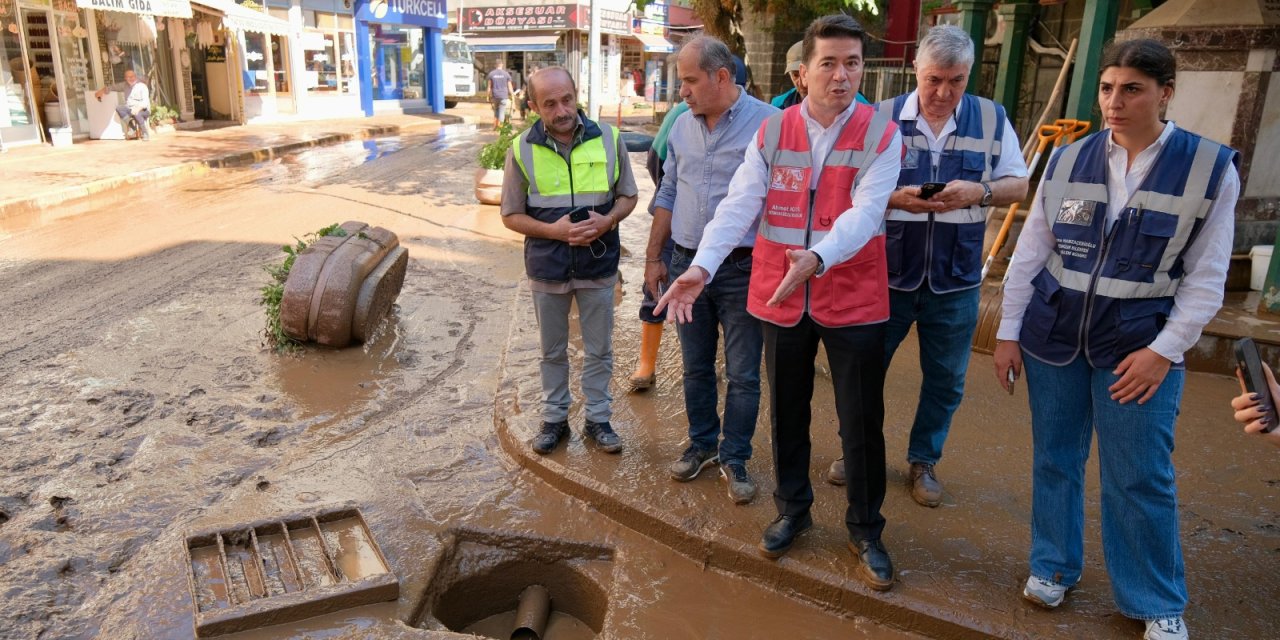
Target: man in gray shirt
[704,148]
[137,101]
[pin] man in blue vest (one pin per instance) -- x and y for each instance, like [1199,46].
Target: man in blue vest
[568,184]
[934,242]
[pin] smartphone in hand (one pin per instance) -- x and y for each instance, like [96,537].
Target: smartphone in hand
[1255,379]
[579,215]
[931,189]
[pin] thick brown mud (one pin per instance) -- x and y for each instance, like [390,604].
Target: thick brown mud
[141,405]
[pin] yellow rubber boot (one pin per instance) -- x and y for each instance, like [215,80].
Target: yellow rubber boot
[650,340]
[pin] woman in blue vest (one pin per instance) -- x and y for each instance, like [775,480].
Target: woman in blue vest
[1121,263]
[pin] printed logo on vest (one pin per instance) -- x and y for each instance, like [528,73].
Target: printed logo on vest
[911,159]
[1077,212]
[788,179]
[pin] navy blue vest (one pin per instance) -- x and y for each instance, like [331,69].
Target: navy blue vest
[947,248]
[1108,293]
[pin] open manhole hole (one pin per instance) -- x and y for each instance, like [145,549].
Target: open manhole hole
[287,569]
[497,585]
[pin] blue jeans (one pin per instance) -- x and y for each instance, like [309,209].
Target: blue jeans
[140,118]
[722,304]
[945,323]
[1139,499]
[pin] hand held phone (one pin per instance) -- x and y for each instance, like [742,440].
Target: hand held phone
[1011,378]
[931,189]
[579,215]
[1255,379]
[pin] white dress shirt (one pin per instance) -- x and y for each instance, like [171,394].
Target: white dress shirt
[1010,162]
[1199,295]
[855,226]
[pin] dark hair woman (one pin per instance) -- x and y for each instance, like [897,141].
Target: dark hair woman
[1121,263]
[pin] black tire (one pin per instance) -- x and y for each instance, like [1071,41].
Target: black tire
[449,104]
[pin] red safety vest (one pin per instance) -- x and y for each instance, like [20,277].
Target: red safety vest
[853,292]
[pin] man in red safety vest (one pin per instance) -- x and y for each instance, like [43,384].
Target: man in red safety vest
[818,180]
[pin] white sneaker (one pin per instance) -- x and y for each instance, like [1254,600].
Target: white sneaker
[1044,593]
[1166,629]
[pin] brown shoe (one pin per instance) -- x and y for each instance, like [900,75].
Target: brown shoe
[925,488]
[835,475]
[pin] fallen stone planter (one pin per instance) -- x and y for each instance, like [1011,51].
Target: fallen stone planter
[342,285]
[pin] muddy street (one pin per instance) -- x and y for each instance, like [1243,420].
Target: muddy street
[141,404]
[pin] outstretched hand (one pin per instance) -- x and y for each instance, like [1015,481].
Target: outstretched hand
[681,295]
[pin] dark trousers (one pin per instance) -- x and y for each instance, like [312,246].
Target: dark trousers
[856,357]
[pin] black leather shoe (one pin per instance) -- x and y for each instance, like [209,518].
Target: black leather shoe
[781,534]
[874,566]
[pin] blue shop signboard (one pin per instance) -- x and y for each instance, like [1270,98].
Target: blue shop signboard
[422,13]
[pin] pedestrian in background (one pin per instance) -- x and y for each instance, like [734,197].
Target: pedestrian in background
[704,148]
[1121,263]
[934,245]
[796,93]
[817,183]
[563,168]
[500,91]
[137,102]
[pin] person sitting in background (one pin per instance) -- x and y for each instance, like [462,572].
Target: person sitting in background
[1251,408]
[137,101]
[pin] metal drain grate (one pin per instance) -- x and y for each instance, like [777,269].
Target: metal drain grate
[287,569]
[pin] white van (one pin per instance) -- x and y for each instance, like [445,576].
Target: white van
[459,70]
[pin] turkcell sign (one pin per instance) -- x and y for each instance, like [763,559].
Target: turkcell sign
[420,13]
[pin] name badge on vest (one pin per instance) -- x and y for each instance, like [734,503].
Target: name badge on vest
[911,159]
[787,179]
[1078,212]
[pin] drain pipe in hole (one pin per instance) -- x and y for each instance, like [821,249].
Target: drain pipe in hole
[532,614]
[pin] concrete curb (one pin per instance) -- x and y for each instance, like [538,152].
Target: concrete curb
[825,589]
[53,197]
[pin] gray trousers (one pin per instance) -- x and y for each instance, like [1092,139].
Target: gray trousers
[595,318]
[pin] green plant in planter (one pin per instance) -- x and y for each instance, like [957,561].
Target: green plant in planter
[494,154]
[273,292]
[162,114]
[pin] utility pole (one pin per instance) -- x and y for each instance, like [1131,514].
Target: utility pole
[593,64]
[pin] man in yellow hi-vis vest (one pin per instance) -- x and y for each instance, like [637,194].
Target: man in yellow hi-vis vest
[568,185]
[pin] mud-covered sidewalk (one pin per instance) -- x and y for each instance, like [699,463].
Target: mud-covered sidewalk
[960,566]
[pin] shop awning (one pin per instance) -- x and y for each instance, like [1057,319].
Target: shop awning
[654,44]
[513,43]
[238,18]
[166,8]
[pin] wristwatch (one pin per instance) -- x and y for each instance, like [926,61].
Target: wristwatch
[821,265]
[986,195]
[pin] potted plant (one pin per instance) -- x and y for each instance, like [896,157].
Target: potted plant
[492,157]
[162,118]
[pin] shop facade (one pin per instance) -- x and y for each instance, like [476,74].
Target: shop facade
[400,50]
[528,37]
[56,53]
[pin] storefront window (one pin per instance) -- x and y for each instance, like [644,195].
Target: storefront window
[16,107]
[255,58]
[259,74]
[125,42]
[397,62]
[328,52]
[319,53]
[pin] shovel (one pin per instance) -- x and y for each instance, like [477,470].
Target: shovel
[1060,133]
